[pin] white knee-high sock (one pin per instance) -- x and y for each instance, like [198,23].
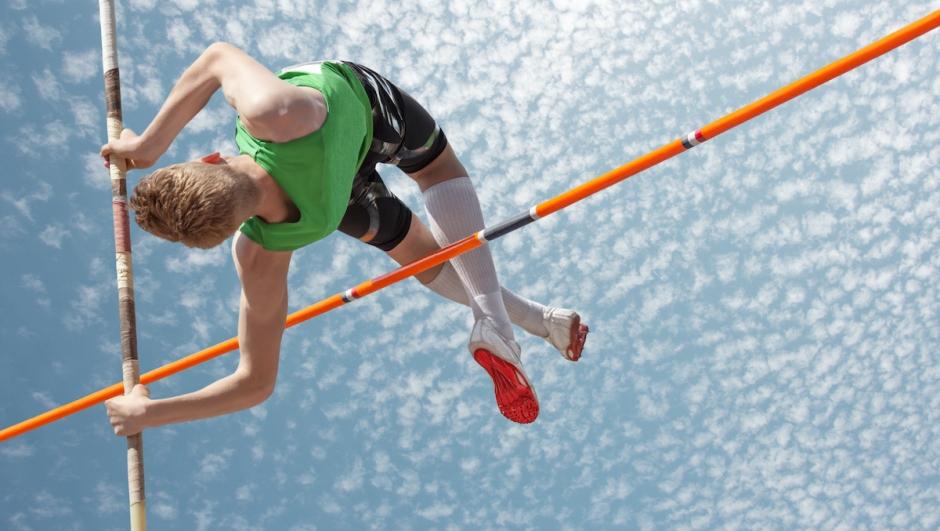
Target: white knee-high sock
[454,213]
[523,312]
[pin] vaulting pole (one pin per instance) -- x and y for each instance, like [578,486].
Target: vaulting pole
[125,268]
[730,121]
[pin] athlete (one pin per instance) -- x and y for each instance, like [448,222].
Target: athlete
[309,138]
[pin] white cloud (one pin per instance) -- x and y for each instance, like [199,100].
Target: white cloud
[9,97]
[194,260]
[164,511]
[44,399]
[16,450]
[652,408]
[352,480]
[211,120]
[10,227]
[84,309]
[45,505]
[178,33]
[95,175]
[282,43]
[213,464]
[110,498]
[43,193]
[846,24]
[204,517]
[880,175]
[186,5]
[237,32]
[817,224]
[43,36]
[53,235]
[436,511]
[80,67]
[152,91]
[32,282]
[51,141]
[47,85]
[5,34]
[87,118]
[726,267]
[243,493]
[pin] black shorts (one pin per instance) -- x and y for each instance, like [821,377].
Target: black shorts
[405,135]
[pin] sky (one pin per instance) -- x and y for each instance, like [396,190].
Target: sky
[763,309]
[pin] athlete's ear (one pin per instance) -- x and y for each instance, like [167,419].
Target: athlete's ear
[211,159]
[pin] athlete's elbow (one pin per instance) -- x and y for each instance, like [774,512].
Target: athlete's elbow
[219,51]
[266,114]
[261,391]
[219,59]
[256,388]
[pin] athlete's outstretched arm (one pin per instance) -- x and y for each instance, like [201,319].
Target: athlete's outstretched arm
[262,313]
[270,109]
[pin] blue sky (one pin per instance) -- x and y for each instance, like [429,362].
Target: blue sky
[763,308]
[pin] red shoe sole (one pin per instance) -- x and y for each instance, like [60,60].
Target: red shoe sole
[515,399]
[578,336]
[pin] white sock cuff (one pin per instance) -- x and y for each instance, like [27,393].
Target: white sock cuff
[491,305]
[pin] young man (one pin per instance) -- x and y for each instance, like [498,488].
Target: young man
[310,137]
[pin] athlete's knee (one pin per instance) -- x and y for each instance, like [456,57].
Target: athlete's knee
[382,221]
[394,223]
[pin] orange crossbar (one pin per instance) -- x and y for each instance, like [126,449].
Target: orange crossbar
[738,117]
[730,121]
[326,305]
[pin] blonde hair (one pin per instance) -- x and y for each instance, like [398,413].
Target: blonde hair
[195,203]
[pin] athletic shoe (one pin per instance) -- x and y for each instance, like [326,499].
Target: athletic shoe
[501,359]
[565,331]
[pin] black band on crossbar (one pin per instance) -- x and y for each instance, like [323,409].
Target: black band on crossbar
[508,225]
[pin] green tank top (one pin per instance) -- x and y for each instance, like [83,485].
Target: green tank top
[316,171]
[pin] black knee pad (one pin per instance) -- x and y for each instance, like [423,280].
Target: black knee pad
[394,223]
[424,140]
[374,215]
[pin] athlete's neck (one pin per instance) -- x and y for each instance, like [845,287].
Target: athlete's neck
[275,206]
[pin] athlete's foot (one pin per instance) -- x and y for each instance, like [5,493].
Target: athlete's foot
[565,331]
[501,359]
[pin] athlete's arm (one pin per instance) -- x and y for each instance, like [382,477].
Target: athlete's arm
[270,109]
[261,318]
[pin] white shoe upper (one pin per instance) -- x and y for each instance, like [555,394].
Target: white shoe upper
[485,336]
[558,322]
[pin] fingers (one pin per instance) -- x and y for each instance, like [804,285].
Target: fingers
[123,411]
[129,164]
[104,153]
[125,146]
[114,416]
[122,431]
